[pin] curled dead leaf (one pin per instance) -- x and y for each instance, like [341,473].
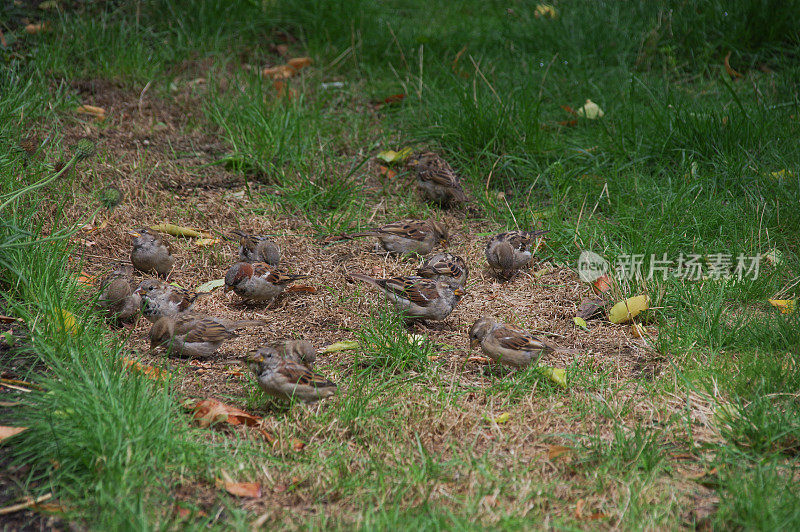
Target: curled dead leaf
[301,288]
[298,63]
[211,411]
[731,72]
[626,310]
[251,490]
[148,371]
[7,432]
[298,445]
[98,113]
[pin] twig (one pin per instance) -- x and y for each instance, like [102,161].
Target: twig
[23,505]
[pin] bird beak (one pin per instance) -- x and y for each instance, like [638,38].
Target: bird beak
[473,343]
[459,292]
[134,234]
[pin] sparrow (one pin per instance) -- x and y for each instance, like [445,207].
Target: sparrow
[444,266]
[258,282]
[199,340]
[117,295]
[257,248]
[300,351]
[508,252]
[186,321]
[151,252]
[407,236]
[285,378]
[417,297]
[437,181]
[506,344]
[160,299]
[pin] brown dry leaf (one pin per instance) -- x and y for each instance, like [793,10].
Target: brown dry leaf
[579,508]
[267,436]
[211,411]
[279,72]
[283,89]
[301,288]
[7,432]
[148,371]
[85,279]
[591,308]
[298,63]
[33,29]
[250,490]
[298,445]
[388,172]
[603,284]
[597,515]
[478,360]
[554,451]
[394,98]
[731,72]
[98,113]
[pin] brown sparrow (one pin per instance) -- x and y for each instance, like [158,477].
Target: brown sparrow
[506,344]
[300,351]
[186,321]
[285,378]
[408,236]
[417,297]
[444,266]
[436,180]
[508,252]
[118,297]
[200,340]
[151,252]
[257,248]
[160,299]
[257,282]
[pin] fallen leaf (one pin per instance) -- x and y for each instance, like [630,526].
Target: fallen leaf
[98,113]
[590,111]
[33,29]
[579,508]
[394,98]
[267,436]
[591,308]
[340,346]
[251,490]
[786,306]
[86,279]
[580,322]
[545,11]
[283,89]
[298,63]
[638,331]
[502,418]
[298,445]
[626,310]
[388,172]
[7,432]
[780,174]
[394,157]
[478,360]
[597,515]
[301,288]
[211,411]
[279,72]
[731,72]
[148,371]
[554,451]
[557,375]
[177,230]
[603,284]
[211,285]
[205,242]
[68,323]
[568,123]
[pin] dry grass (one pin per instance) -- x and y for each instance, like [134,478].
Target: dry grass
[450,410]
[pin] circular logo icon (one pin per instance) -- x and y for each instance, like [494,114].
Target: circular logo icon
[591,266]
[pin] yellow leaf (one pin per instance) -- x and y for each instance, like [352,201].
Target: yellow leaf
[628,309]
[786,306]
[780,174]
[557,375]
[590,110]
[340,346]
[7,432]
[502,418]
[580,322]
[638,331]
[70,323]
[545,11]
[394,157]
[177,230]
[205,242]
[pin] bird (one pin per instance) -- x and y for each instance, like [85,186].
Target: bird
[437,181]
[407,236]
[151,252]
[257,248]
[417,297]
[301,351]
[444,266]
[185,321]
[506,344]
[258,282]
[160,299]
[198,339]
[118,296]
[285,378]
[508,252]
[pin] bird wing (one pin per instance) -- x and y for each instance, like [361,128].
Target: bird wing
[274,275]
[411,229]
[208,330]
[418,290]
[298,374]
[519,340]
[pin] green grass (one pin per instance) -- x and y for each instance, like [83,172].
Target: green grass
[682,162]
